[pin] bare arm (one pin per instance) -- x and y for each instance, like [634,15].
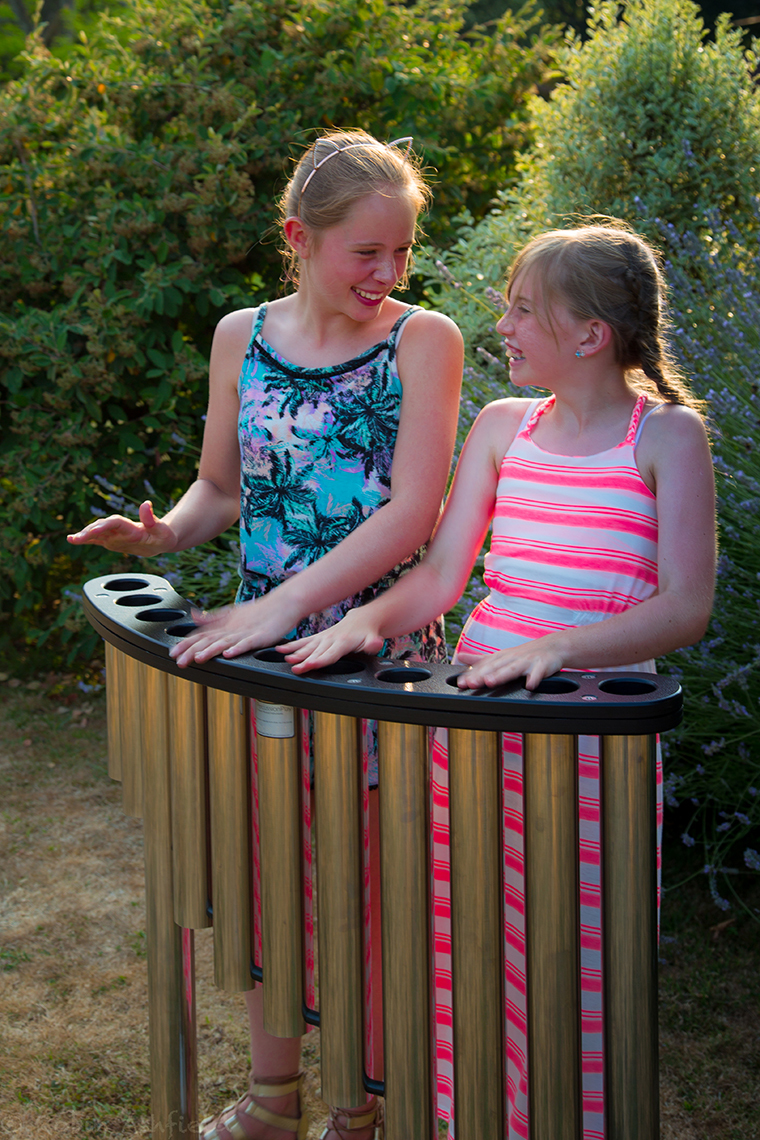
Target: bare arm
[675,454]
[430,366]
[212,503]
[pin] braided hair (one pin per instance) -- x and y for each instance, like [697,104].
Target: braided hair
[608,273]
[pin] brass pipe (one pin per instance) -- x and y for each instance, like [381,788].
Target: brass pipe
[171,1001]
[629,909]
[131,715]
[189,784]
[280,832]
[404,863]
[476,932]
[229,793]
[337,788]
[552,920]
[113,711]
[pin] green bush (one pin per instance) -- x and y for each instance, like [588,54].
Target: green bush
[650,122]
[138,179]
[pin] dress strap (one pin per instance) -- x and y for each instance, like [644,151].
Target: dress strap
[258,319]
[533,413]
[633,424]
[394,336]
[642,421]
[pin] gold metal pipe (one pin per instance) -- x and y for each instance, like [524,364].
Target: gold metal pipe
[552,920]
[279,775]
[337,788]
[629,910]
[171,1001]
[131,715]
[113,711]
[229,792]
[476,932]
[404,862]
[189,785]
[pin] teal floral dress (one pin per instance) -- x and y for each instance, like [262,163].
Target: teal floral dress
[316,449]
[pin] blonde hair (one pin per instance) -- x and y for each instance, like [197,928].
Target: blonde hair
[341,168]
[608,273]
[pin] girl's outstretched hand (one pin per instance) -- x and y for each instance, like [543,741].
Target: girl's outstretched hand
[534,660]
[148,535]
[354,634]
[235,629]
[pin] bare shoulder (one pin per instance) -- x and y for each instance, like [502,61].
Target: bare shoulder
[674,446]
[502,416]
[669,427]
[428,323]
[496,426]
[672,417]
[234,330]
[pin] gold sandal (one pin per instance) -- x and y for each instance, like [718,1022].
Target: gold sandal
[230,1118]
[343,1121]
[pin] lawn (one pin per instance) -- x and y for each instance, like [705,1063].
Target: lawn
[74,1046]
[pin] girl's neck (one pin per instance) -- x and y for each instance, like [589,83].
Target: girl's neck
[587,421]
[302,332]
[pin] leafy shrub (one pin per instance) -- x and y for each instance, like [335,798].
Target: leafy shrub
[651,121]
[138,179]
[713,761]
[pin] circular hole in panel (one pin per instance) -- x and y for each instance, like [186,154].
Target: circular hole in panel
[160,615]
[269,655]
[627,686]
[340,668]
[126,585]
[136,600]
[182,630]
[556,685]
[402,675]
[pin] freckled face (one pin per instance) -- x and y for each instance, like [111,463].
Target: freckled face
[538,351]
[356,264]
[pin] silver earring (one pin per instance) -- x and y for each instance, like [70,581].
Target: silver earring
[579,352]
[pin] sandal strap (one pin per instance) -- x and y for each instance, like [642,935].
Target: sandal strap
[280,1088]
[229,1118]
[340,1121]
[258,1112]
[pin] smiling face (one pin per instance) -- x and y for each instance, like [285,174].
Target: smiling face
[353,266]
[541,345]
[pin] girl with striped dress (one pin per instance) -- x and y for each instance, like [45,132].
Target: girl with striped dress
[601,502]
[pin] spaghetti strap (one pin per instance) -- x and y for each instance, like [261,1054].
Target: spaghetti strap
[257,319]
[633,424]
[642,421]
[535,409]
[394,336]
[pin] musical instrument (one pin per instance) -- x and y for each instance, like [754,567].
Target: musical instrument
[179,743]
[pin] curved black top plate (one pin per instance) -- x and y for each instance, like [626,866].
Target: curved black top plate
[599,703]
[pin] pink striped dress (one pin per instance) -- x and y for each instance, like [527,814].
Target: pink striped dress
[574,541]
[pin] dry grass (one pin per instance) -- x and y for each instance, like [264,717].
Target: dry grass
[73,1034]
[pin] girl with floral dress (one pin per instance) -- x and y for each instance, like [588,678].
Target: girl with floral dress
[330,431]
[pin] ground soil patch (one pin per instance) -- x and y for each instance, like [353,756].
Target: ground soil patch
[73,1019]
